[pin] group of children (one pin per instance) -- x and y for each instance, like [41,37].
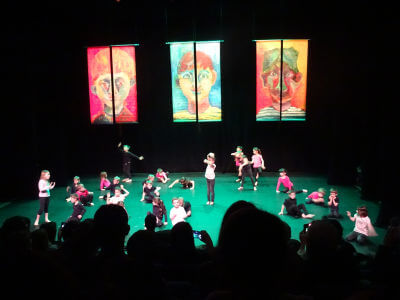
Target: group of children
[115,193]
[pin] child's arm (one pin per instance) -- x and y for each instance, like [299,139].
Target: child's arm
[108,198]
[278,185]
[125,190]
[335,203]
[172,215]
[262,163]
[172,184]
[282,208]
[350,217]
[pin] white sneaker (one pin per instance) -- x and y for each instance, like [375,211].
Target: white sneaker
[208,203]
[237,180]
[255,188]
[240,188]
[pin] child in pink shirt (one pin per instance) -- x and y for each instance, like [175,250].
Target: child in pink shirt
[285,181]
[363,227]
[162,176]
[237,157]
[104,183]
[258,163]
[317,197]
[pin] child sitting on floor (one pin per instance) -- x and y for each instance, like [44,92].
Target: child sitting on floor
[162,176]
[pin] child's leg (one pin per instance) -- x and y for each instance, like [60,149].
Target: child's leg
[212,185]
[351,236]
[361,238]
[208,190]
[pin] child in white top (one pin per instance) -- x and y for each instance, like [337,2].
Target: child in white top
[118,197]
[44,196]
[210,177]
[363,227]
[177,213]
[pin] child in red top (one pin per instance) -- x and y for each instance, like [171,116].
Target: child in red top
[162,176]
[285,180]
[84,196]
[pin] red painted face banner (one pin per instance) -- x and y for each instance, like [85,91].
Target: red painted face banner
[112,92]
[281,80]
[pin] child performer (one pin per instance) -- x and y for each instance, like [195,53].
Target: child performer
[115,183]
[186,206]
[285,180]
[210,177]
[159,211]
[363,227]
[293,209]
[333,204]
[185,182]
[85,197]
[150,177]
[245,170]
[237,156]
[317,197]
[149,192]
[258,163]
[71,189]
[126,161]
[177,213]
[162,176]
[78,209]
[104,183]
[44,196]
[118,198]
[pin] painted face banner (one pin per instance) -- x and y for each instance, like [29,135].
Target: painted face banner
[281,97]
[124,85]
[184,81]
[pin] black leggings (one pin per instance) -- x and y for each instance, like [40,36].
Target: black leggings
[285,190]
[210,189]
[43,205]
[126,169]
[297,211]
[247,172]
[257,171]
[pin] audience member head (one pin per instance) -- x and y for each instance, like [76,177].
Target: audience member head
[111,227]
[15,236]
[182,238]
[323,239]
[252,240]
[51,230]
[140,246]
[150,222]
[235,207]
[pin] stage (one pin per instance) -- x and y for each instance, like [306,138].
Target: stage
[205,217]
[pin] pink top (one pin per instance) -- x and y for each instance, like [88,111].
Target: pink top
[285,181]
[210,171]
[84,193]
[313,195]
[364,226]
[161,175]
[44,190]
[104,182]
[257,160]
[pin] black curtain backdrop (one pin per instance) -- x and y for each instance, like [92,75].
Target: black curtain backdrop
[48,124]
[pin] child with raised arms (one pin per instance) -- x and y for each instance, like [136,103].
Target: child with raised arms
[126,161]
[363,227]
[210,177]
[245,171]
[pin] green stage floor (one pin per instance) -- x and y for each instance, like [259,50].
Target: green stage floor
[206,217]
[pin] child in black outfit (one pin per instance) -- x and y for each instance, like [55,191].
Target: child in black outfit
[73,188]
[78,209]
[159,211]
[333,204]
[150,192]
[126,161]
[294,210]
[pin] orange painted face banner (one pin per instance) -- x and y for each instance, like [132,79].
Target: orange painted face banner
[124,84]
[281,96]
